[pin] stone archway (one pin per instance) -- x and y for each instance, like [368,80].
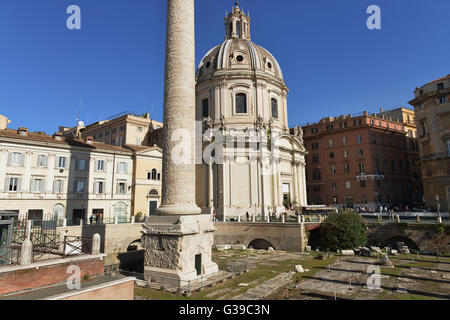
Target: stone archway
[392,242]
[260,244]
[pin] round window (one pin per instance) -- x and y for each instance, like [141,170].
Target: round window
[240,58]
[269,65]
[208,64]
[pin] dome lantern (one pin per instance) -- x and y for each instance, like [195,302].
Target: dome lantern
[237,24]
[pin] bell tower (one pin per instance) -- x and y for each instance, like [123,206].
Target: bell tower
[237,24]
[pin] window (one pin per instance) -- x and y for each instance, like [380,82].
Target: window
[37,185]
[447,146]
[154,174]
[274,104]
[347,168]
[357,122]
[99,187]
[360,152]
[440,86]
[347,184]
[81,164]
[121,141]
[241,103]
[315,158]
[316,174]
[361,168]
[335,199]
[42,161]
[333,170]
[329,127]
[140,129]
[421,106]
[332,155]
[423,130]
[138,141]
[333,185]
[343,125]
[120,211]
[345,154]
[314,130]
[16,159]
[442,100]
[316,188]
[344,140]
[315,145]
[62,161]
[205,108]
[79,186]
[358,139]
[238,29]
[14,185]
[330,142]
[58,186]
[121,188]
[123,167]
[362,184]
[100,165]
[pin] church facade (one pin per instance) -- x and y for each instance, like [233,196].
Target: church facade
[241,99]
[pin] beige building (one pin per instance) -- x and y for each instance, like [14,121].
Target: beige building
[404,116]
[241,93]
[432,110]
[4,121]
[127,129]
[147,178]
[45,177]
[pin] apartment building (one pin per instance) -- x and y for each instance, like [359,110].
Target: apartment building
[363,160]
[45,177]
[432,110]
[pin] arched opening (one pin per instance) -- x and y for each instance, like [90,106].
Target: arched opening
[120,211]
[393,241]
[238,29]
[259,244]
[154,174]
[153,196]
[58,212]
[135,246]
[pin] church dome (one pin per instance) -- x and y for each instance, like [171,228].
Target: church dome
[238,53]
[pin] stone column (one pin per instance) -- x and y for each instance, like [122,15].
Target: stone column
[210,187]
[178,179]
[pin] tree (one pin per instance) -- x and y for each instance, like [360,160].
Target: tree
[345,230]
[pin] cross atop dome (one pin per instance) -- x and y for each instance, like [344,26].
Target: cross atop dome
[237,24]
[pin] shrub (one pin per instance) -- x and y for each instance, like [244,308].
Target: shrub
[345,230]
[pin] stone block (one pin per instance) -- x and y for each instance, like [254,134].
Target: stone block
[308,248]
[238,247]
[394,252]
[365,252]
[270,249]
[299,268]
[222,247]
[348,252]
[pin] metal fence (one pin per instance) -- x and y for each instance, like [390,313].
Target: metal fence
[10,255]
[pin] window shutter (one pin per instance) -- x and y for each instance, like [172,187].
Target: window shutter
[96,187]
[125,188]
[19,185]
[7,185]
[45,161]
[9,158]
[37,160]
[126,167]
[55,184]
[117,188]
[22,159]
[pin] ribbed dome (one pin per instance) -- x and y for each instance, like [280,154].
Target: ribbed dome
[239,55]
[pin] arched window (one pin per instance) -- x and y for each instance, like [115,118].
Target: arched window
[153,193]
[231,29]
[274,108]
[238,29]
[241,103]
[120,211]
[58,211]
[205,110]
[154,174]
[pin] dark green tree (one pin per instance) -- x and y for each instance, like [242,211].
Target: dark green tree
[345,230]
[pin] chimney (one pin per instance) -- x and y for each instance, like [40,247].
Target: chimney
[22,131]
[89,140]
[381,110]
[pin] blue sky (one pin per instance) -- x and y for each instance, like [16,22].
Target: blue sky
[332,63]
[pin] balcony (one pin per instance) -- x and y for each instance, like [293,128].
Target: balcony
[433,156]
[372,177]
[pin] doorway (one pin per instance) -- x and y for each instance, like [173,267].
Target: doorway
[78,214]
[198,264]
[152,206]
[97,216]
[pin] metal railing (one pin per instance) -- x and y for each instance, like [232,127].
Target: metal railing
[10,255]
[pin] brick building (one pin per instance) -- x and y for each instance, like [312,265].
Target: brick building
[362,160]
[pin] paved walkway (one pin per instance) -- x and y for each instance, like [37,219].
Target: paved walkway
[267,288]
